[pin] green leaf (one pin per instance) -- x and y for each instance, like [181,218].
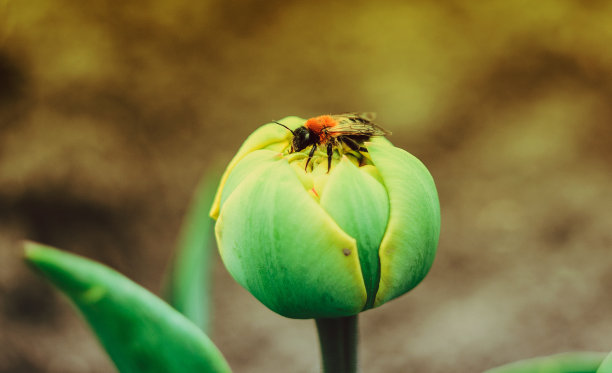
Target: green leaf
[188,287]
[606,365]
[569,362]
[140,332]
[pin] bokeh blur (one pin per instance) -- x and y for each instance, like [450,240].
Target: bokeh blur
[111,111]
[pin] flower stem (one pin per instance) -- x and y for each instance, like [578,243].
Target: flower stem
[338,339]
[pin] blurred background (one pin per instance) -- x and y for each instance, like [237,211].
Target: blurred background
[110,112]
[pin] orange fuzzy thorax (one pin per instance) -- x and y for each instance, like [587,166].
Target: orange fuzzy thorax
[318,124]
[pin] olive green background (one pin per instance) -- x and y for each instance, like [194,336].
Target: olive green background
[111,111]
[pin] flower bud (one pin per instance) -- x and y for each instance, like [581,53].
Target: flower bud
[318,243]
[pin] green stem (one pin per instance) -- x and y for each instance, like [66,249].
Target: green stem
[338,339]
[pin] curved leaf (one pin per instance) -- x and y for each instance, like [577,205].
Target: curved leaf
[606,365]
[569,362]
[140,332]
[188,286]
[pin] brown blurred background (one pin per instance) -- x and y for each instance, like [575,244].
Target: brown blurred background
[111,111]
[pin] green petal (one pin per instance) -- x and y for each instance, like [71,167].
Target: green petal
[358,203]
[409,246]
[568,362]
[264,136]
[279,244]
[252,165]
[140,332]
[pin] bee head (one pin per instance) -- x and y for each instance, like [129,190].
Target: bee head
[302,137]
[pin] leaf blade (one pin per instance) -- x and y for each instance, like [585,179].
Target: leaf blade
[606,365]
[139,331]
[188,283]
[568,362]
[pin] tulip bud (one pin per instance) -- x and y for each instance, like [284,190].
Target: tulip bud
[316,243]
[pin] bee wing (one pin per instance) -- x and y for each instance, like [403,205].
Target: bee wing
[347,125]
[367,116]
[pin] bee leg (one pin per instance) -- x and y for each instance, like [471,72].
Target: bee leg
[351,143]
[354,145]
[330,152]
[310,155]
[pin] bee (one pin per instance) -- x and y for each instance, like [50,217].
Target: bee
[352,129]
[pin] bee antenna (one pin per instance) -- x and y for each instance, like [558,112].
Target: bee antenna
[280,124]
